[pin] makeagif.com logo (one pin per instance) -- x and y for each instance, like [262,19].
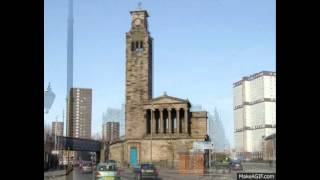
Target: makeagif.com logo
[252,176]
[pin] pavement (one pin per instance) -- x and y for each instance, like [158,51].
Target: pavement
[54,173]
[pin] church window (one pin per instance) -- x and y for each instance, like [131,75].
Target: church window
[132,46]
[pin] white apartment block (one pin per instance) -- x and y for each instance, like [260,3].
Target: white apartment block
[254,100]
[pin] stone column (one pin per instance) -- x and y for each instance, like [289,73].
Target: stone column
[145,115]
[169,121]
[186,120]
[161,121]
[178,120]
[153,122]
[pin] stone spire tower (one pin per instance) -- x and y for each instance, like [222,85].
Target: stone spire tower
[138,73]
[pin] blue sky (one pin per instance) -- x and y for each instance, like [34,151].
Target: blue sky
[201,47]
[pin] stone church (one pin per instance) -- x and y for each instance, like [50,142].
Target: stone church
[156,129]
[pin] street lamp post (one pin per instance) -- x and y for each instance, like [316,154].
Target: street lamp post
[55,134]
[49,97]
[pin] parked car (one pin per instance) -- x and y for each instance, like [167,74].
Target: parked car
[107,171]
[146,170]
[111,161]
[86,168]
[236,165]
[76,162]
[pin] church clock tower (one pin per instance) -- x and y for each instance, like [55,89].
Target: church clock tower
[138,74]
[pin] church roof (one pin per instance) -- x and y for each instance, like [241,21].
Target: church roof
[139,9]
[168,99]
[144,11]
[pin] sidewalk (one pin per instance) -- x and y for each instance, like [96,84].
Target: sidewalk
[55,173]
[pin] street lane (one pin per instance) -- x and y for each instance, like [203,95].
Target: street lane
[77,175]
[127,174]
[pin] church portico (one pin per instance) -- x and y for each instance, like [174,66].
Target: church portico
[167,115]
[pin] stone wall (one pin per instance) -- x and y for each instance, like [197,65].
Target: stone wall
[199,124]
[116,153]
[165,153]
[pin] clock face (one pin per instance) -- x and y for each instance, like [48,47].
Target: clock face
[137,22]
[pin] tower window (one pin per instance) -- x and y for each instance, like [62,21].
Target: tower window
[141,44]
[137,46]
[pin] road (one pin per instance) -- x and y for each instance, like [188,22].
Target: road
[77,175]
[127,174]
[74,175]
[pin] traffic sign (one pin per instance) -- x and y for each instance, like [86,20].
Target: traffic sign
[202,145]
[208,146]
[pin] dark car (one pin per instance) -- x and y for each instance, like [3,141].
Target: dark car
[236,165]
[146,171]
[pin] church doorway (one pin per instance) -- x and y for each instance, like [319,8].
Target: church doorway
[133,156]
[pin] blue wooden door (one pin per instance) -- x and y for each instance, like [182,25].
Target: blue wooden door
[133,156]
